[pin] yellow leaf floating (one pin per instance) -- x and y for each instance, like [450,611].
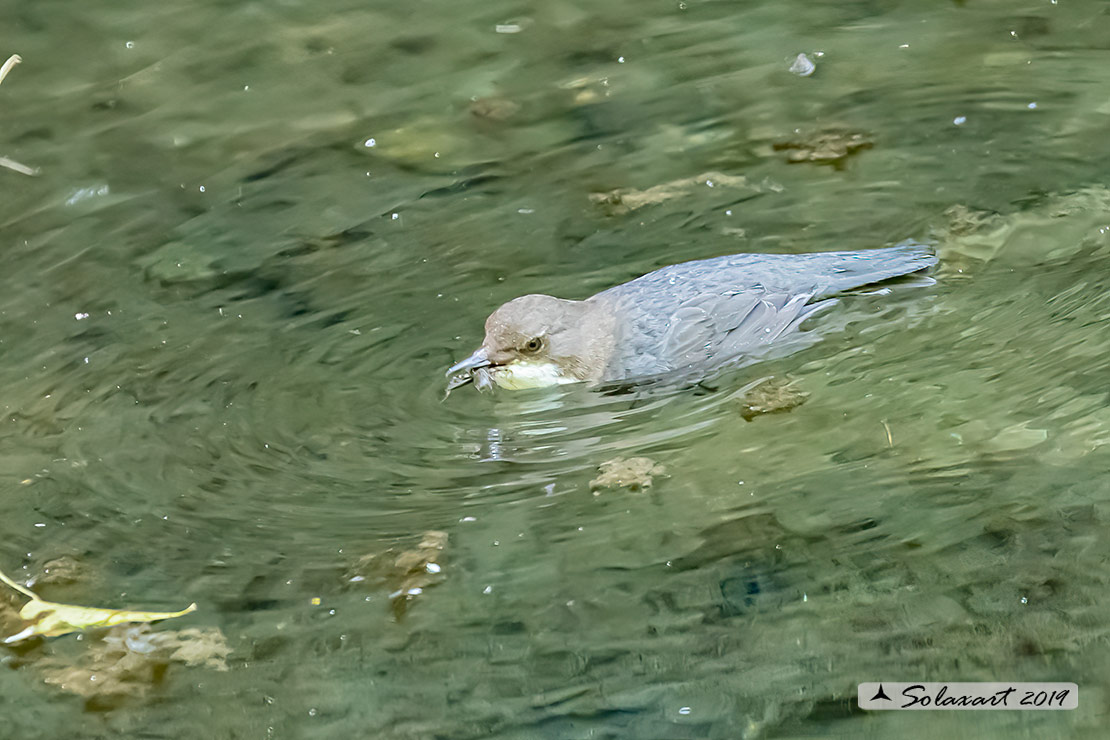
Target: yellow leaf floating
[48,619]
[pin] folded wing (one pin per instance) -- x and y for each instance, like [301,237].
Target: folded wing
[716,328]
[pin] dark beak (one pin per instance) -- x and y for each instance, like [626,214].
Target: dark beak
[477,360]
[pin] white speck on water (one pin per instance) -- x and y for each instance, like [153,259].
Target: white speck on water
[959,120]
[202,189]
[620,60]
[415,591]
[80,316]
[395,216]
[130,45]
[487,590]
[1024,600]
[805,597]
[40,524]
[1032,106]
[432,568]
[525,211]
[370,143]
[684,710]
[903,46]
[508,28]
[728,212]
[468,519]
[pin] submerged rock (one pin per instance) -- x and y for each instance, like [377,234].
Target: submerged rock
[773,396]
[405,572]
[625,200]
[130,661]
[827,146]
[634,473]
[493,109]
[62,570]
[964,220]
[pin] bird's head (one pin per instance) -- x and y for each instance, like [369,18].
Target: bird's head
[536,341]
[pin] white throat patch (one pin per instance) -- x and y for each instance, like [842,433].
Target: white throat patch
[523,374]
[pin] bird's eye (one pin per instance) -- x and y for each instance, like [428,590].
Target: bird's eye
[533,345]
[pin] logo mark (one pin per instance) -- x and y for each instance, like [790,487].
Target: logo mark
[880,694]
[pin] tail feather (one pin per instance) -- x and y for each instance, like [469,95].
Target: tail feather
[855,269]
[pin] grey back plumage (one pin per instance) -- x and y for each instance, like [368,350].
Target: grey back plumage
[708,313]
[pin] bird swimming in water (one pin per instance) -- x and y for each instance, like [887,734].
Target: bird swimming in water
[685,319]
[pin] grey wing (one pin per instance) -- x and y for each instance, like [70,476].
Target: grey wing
[819,273]
[715,329]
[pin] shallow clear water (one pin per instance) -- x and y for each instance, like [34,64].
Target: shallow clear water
[260,233]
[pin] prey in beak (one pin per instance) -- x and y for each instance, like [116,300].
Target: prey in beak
[478,360]
[474,369]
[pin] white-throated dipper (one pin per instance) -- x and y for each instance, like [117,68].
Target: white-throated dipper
[688,318]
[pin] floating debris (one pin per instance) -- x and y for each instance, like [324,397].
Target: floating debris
[11,164]
[634,473]
[13,60]
[48,619]
[19,167]
[516,25]
[803,66]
